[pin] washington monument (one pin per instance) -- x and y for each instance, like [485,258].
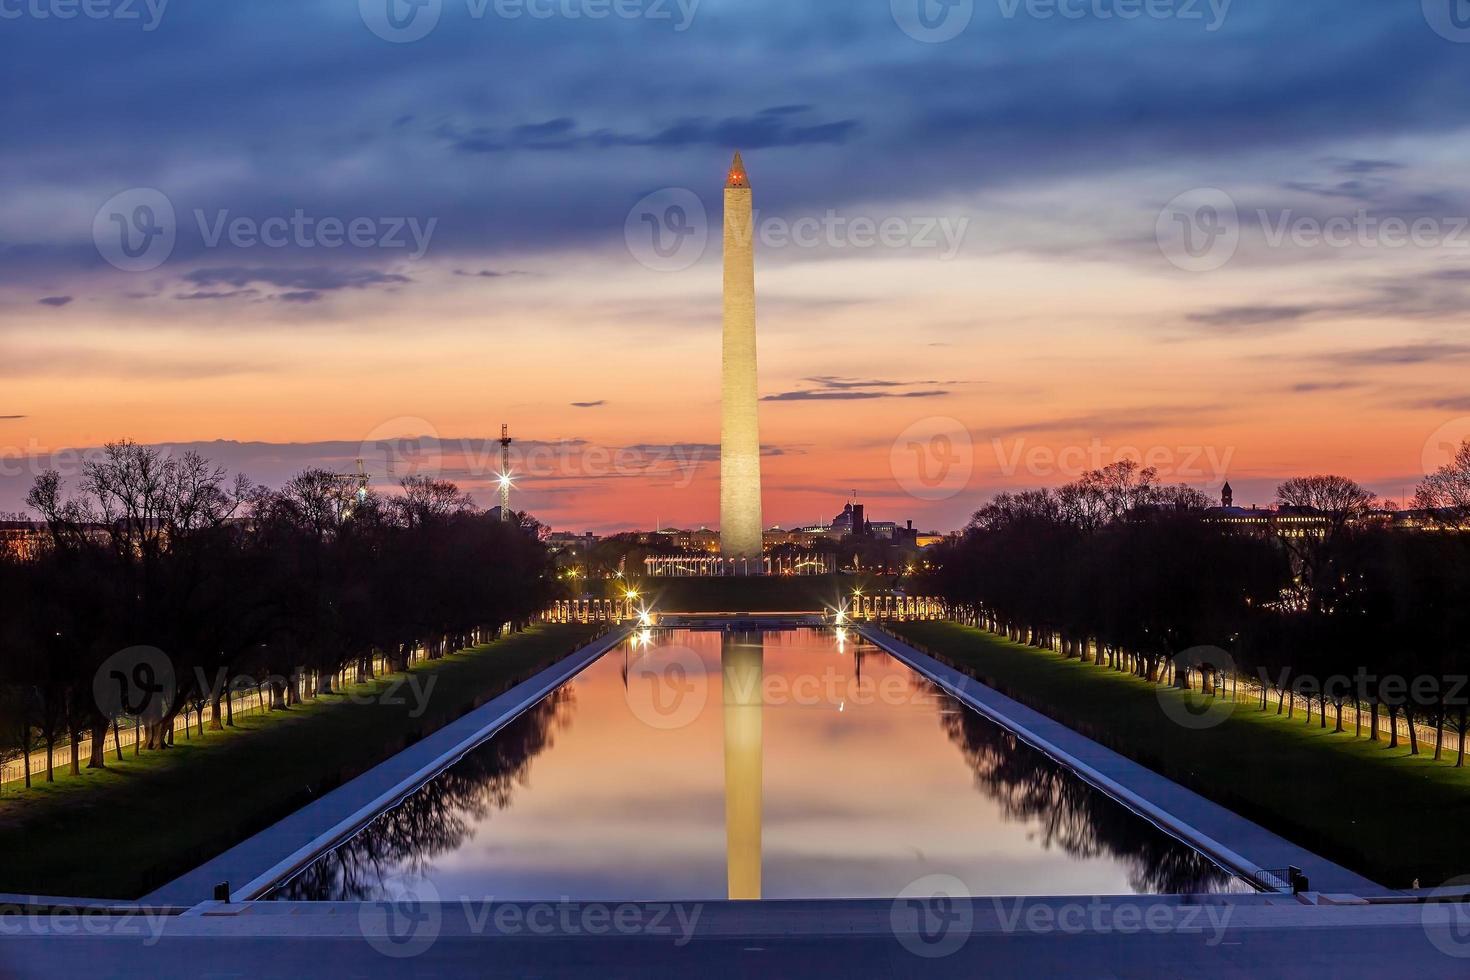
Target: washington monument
[740,441]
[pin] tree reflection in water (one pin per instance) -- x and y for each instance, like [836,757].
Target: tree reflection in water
[439,816]
[1072,815]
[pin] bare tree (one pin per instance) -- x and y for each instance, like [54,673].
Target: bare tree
[1446,492]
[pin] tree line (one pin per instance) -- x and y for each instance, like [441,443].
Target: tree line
[1329,605]
[237,585]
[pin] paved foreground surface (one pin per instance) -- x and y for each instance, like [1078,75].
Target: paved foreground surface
[1137,937]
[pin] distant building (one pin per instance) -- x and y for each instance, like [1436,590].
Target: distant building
[567,541]
[22,539]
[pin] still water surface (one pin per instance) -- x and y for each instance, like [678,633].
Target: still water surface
[689,765]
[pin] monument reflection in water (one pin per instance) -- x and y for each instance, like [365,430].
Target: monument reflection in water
[796,764]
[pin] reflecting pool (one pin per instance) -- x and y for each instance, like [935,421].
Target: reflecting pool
[689,765]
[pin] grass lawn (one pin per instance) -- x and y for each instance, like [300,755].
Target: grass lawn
[1386,814]
[122,832]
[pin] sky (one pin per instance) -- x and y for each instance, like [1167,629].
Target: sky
[1000,242]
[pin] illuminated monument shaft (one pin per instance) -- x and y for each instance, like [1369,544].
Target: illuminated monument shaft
[740,441]
[742,662]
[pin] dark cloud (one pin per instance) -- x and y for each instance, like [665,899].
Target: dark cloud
[12,418]
[1453,403]
[838,396]
[215,294]
[326,118]
[834,388]
[1312,387]
[1399,355]
[1363,167]
[488,273]
[588,404]
[766,130]
[1232,317]
[316,279]
[55,300]
[1435,294]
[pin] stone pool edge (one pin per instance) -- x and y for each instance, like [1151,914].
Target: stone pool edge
[255,865]
[1225,837]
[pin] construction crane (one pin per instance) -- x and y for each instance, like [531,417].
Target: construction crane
[360,482]
[505,480]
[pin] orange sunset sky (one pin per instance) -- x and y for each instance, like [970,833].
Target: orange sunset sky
[1064,326]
